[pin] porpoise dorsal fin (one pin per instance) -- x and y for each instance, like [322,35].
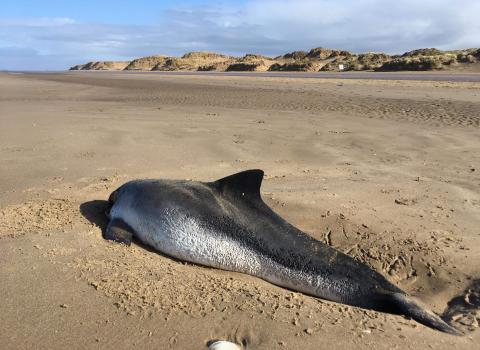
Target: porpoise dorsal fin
[247,182]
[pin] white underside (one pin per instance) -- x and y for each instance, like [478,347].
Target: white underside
[182,237]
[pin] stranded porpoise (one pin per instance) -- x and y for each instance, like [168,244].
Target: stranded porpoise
[225,224]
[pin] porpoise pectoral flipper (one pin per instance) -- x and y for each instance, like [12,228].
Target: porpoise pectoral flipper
[226,224]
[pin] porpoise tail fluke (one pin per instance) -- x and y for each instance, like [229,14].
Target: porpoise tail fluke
[411,308]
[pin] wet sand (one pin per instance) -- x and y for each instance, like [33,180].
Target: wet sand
[469,76]
[386,171]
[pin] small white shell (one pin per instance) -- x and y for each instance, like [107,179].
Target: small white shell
[224,345]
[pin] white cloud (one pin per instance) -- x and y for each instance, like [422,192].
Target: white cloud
[262,26]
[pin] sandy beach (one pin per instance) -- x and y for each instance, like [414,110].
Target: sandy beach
[387,171]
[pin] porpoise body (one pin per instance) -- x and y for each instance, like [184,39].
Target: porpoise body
[225,224]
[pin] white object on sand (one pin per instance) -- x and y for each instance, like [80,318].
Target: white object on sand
[223,345]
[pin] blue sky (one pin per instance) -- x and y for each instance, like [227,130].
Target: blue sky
[107,11]
[54,35]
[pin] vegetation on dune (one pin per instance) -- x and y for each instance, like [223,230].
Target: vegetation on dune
[320,53]
[295,55]
[418,63]
[242,67]
[146,63]
[294,67]
[430,59]
[423,52]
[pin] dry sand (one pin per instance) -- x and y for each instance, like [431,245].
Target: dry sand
[387,171]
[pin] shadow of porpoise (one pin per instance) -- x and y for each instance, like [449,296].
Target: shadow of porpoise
[468,302]
[94,211]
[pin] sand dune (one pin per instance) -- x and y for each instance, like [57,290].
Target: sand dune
[317,59]
[102,65]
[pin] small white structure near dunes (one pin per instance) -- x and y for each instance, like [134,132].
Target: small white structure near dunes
[341,67]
